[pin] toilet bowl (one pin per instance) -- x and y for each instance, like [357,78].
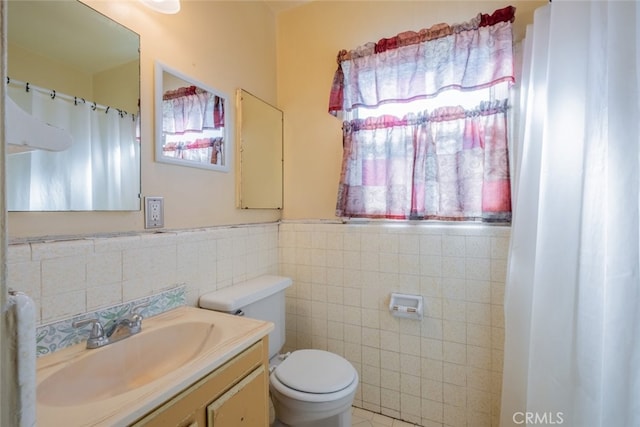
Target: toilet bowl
[309,388]
[313,388]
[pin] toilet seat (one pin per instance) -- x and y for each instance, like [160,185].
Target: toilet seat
[300,372]
[314,376]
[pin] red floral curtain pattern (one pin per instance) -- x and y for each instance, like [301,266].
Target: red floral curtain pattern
[450,163]
[193,125]
[410,66]
[191,109]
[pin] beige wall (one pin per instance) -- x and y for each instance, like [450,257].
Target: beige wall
[226,45]
[116,87]
[112,86]
[445,370]
[309,37]
[223,44]
[44,72]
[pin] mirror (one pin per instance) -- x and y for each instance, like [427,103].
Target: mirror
[260,137]
[74,86]
[191,127]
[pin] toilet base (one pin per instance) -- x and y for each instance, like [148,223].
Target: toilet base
[294,413]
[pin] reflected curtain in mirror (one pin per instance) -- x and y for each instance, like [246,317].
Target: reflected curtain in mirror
[190,122]
[98,171]
[193,123]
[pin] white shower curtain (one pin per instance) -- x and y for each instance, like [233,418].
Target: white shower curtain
[100,171]
[572,302]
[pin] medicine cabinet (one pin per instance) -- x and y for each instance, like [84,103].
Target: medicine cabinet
[259,153]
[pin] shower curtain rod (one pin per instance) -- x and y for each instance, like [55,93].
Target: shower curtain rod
[76,100]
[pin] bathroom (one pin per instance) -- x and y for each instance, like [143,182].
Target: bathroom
[444,370]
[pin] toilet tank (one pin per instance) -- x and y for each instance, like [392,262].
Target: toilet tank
[261,298]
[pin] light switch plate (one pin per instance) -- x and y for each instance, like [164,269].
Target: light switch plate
[153,212]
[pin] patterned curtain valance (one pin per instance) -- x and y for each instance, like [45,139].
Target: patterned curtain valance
[190,109]
[420,65]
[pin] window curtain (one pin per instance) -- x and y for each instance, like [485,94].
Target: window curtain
[192,113]
[449,162]
[572,297]
[191,109]
[100,171]
[201,150]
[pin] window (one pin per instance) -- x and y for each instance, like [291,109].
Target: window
[425,123]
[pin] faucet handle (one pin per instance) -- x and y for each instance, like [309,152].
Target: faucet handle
[136,309]
[97,329]
[136,318]
[97,337]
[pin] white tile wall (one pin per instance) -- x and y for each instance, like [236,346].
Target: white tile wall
[72,277]
[444,370]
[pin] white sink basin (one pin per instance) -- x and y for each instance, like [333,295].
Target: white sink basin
[121,382]
[128,364]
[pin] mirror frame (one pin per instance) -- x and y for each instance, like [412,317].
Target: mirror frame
[160,69]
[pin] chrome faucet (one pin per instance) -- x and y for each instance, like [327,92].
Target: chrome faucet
[114,330]
[97,337]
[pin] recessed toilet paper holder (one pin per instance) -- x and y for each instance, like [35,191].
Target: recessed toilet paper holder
[406,305]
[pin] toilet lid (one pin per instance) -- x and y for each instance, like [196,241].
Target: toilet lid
[315,371]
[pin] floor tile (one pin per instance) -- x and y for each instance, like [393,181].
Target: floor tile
[363,418]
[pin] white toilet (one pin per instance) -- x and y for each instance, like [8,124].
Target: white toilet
[309,388]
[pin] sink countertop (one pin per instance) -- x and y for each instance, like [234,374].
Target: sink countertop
[125,408]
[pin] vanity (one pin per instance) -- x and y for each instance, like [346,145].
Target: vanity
[187,367]
[233,395]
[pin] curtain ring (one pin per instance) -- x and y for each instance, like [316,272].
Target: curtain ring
[94,106]
[53,94]
[27,86]
[107,110]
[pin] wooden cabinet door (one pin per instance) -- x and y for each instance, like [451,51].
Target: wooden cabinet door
[243,405]
[189,408]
